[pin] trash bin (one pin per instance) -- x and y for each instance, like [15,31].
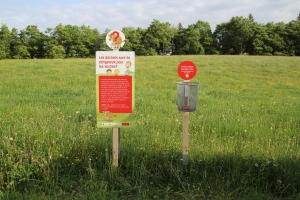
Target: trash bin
[187,96]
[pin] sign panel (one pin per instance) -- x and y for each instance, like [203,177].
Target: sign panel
[115,76]
[187,70]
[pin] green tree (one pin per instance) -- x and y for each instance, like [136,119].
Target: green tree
[52,47]
[35,42]
[179,26]
[88,38]
[269,39]
[275,40]
[240,31]
[232,37]
[257,44]
[134,40]
[222,39]
[254,26]
[100,43]
[67,36]
[158,37]
[293,38]
[18,48]
[78,41]
[251,18]
[206,39]
[5,38]
[187,41]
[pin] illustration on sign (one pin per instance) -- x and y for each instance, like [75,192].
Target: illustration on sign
[115,39]
[115,74]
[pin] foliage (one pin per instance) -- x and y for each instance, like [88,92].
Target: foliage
[293,38]
[187,42]
[4,42]
[206,37]
[240,35]
[134,40]
[232,36]
[158,37]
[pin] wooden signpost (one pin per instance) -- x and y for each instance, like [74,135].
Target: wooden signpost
[186,70]
[115,81]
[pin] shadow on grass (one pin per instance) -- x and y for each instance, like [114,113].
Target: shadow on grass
[159,174]
[220,176]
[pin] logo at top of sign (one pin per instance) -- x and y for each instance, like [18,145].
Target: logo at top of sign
[187,70]
[115,39]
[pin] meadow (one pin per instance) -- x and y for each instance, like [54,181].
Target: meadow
[244,137]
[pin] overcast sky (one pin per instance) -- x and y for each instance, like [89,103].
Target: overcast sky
[115,14]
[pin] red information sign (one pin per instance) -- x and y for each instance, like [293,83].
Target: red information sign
[115,88]
[187,70]
[115,94]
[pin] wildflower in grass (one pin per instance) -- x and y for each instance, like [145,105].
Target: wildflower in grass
[25,155]
[77,112]
[11,139]
[256,165]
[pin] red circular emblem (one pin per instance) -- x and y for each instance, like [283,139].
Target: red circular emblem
[187,70]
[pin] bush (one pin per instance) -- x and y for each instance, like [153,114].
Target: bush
[279,54]
[267,54]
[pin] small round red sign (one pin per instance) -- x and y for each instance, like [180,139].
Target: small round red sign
[187,70]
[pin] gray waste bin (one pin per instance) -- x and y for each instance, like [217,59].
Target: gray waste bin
[187,96]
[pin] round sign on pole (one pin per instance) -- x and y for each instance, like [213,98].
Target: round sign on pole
[187,70]
[115,39]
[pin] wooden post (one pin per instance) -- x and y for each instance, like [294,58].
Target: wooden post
[185,132]
[115,146]
[185,141]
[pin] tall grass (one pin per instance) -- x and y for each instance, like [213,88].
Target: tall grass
[243,138]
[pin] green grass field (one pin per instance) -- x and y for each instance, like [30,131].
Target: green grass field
[244,138]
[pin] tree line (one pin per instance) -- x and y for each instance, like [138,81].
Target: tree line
[240,35]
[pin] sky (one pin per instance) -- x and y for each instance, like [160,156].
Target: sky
[116,14]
